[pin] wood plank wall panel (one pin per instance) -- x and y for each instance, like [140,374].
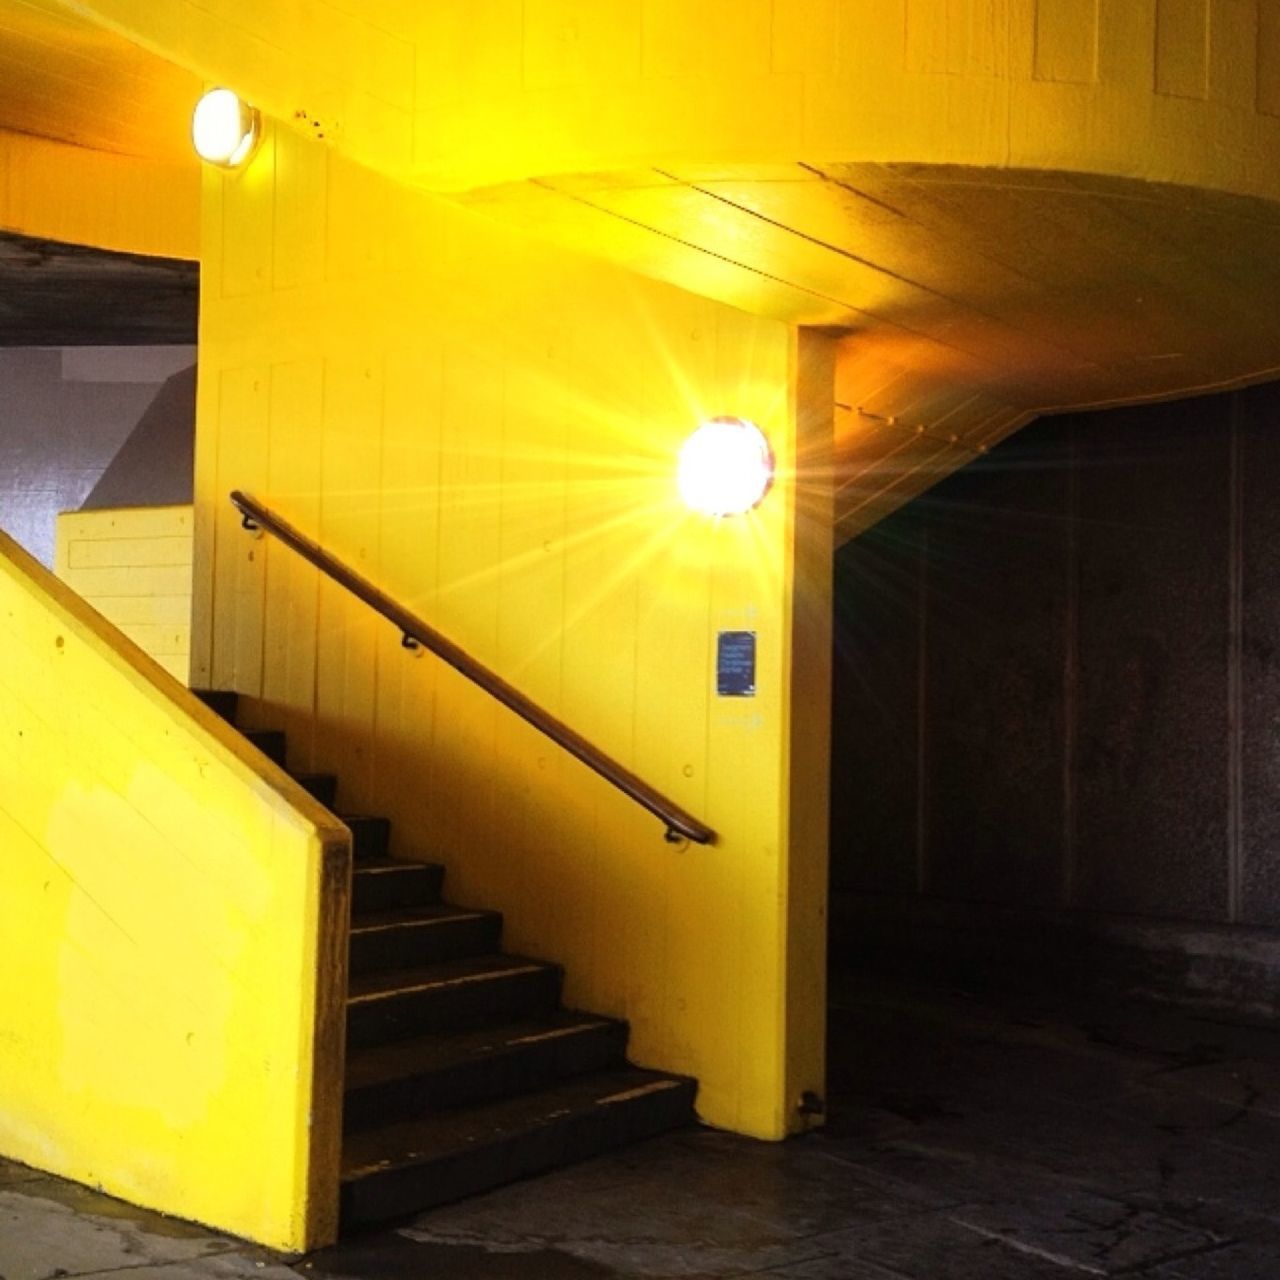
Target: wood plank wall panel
[1066,41]
[1182,48]
[133,565]
[1268,69]
[292,591]
[965,39]
[460,94]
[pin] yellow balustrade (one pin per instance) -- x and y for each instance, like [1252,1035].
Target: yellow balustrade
[173,918]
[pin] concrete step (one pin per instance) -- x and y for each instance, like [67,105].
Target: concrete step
[399,1169]
[324,786]
[224,702]
[411,937]
[384,884]
[431,1074]
[460,995]
[271,742]
[462,1070]
[370,836]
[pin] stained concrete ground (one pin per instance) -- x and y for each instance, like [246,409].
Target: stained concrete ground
[971,1138]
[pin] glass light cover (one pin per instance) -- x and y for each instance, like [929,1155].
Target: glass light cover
[224,129]
[725,467]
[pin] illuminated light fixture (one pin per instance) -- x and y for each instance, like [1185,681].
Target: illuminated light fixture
[224,129]
[726,467]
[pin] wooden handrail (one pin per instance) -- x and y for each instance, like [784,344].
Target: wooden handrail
[414,632]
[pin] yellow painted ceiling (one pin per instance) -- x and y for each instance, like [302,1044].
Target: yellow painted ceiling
[967,301]
[967,298]
[65,78]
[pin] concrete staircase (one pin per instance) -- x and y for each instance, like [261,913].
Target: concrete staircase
[463,1070]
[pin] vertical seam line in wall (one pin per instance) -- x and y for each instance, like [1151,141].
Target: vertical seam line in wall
[1008,87]
[1235,661]
[1071,674]
[922,656]
[317,575]
[264,614]
[376,651]
[437,533]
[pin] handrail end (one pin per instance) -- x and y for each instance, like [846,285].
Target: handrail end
[693,832]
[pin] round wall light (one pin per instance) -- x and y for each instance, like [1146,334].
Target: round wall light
[224,129]
[726,467]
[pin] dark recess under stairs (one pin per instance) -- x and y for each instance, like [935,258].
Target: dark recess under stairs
[463,1070]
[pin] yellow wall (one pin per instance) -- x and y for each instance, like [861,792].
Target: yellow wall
[172,937]
[462,93]
[109,201]
[487,429]
[133,564]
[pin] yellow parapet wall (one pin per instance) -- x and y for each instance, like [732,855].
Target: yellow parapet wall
[133,564]
[125,203]
[173,921]
[459,94]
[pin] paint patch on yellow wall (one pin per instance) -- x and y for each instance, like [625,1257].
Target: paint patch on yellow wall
[173,918]
[134,566]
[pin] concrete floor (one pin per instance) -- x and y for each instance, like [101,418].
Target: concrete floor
[971,1139]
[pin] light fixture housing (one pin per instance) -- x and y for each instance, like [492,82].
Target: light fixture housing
[224,129]
[726,467]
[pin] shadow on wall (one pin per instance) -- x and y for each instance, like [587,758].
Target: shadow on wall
[68,415]
[155,466]
[1055,697]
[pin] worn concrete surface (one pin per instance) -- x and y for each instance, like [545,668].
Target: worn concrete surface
[971,1139]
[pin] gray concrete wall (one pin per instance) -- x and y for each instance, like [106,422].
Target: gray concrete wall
[63,416]
[155,467]
[1057,682]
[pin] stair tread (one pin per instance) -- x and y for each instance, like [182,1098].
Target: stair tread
[424,1139]
[378,1064]
[387,884]
[379,866]
[406,917]
[388,982]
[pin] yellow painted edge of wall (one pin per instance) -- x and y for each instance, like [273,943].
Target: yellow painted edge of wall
[807,754]
[127,204]
[98,511]
[320,1116]
[318,1121]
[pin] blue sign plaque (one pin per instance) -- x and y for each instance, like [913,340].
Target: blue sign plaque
[736,664]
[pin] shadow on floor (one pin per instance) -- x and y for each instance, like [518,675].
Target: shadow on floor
[970,1138]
